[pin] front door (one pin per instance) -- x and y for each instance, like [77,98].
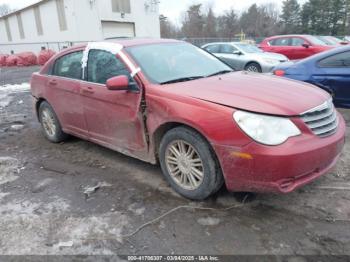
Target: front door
[113,118]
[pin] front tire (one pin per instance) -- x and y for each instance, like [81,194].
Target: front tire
[50,125]
[253,67]
[189,164]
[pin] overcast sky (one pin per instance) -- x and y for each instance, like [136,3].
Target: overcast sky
[173,9]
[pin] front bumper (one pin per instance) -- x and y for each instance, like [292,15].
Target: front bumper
[283,168]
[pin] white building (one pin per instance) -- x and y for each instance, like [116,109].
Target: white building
[50,23]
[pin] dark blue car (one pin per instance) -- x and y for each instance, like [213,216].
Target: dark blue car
[329,70]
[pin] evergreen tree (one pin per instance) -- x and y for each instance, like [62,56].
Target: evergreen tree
[291,17]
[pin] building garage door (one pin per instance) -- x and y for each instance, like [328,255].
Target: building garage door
[117,29]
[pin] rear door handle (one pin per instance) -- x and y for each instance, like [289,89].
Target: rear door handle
[53,82]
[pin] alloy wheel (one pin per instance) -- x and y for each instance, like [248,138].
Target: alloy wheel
[48,122]
[184,165]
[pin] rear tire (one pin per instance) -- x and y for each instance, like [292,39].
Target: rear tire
[50,124]
[189,164]
[253,67]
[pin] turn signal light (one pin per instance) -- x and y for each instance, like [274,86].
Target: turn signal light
[279,72]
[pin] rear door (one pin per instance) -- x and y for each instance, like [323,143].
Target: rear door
[281,46]
[334,73]
[113,118]
[63,92]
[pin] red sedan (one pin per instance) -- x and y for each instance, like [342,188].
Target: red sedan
[169,102]
[294,46]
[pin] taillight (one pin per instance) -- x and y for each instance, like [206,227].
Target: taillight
[279,72]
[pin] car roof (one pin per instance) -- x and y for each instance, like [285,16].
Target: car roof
[129,42]
[227,43]
[280,36]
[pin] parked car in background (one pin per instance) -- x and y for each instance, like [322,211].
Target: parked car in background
[294,46]
[331,40]
[243,56]
[169,102]
[329,70]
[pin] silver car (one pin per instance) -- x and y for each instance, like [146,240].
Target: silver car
[242,56]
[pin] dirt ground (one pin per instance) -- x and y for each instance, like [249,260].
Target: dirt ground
[80,198]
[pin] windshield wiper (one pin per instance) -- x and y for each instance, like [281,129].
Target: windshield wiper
[182,79]
[220,73]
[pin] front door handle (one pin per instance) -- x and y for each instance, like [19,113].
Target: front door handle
[88,91]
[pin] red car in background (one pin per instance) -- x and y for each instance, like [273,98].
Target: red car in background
[294,46]
[169,102]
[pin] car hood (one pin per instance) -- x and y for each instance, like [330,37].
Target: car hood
[253,92]
[272,56]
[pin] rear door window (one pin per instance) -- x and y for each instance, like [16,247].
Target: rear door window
[341,60]
[280,42]
[213,48]
[69,66]
[103,65]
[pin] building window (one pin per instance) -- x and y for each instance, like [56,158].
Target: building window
[20,25]
[39,25]
[121,6]
[8,30]
[61,15]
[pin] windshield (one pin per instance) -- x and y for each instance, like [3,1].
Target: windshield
[328,41]
[163,63]
[248,48]
[316,41]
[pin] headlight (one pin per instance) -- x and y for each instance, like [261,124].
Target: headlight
[271,61]
[268,130]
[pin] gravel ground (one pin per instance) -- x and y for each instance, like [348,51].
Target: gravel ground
[80,198]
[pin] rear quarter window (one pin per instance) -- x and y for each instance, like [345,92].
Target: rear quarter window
[341,60]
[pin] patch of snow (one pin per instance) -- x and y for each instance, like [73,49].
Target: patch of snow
[208,221]
[64,244]
[7,90]
[17,127]
[136,209]
[5,100]
[24,87]
[2,195]
[8,168]
[88,190]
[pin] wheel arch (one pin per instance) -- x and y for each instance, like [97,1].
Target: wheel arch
[251,62]
[161,130]
[37,106]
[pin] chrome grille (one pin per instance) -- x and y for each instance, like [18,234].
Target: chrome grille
[322,120]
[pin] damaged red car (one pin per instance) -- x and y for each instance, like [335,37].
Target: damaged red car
[169,102]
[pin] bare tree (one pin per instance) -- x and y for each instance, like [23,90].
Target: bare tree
[228,24]
[167,28]
[5,9]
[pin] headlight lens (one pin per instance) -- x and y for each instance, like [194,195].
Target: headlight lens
[271,61]
[268,130]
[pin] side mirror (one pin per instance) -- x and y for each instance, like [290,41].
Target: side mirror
[237,52]
[118,83]
[306,45]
